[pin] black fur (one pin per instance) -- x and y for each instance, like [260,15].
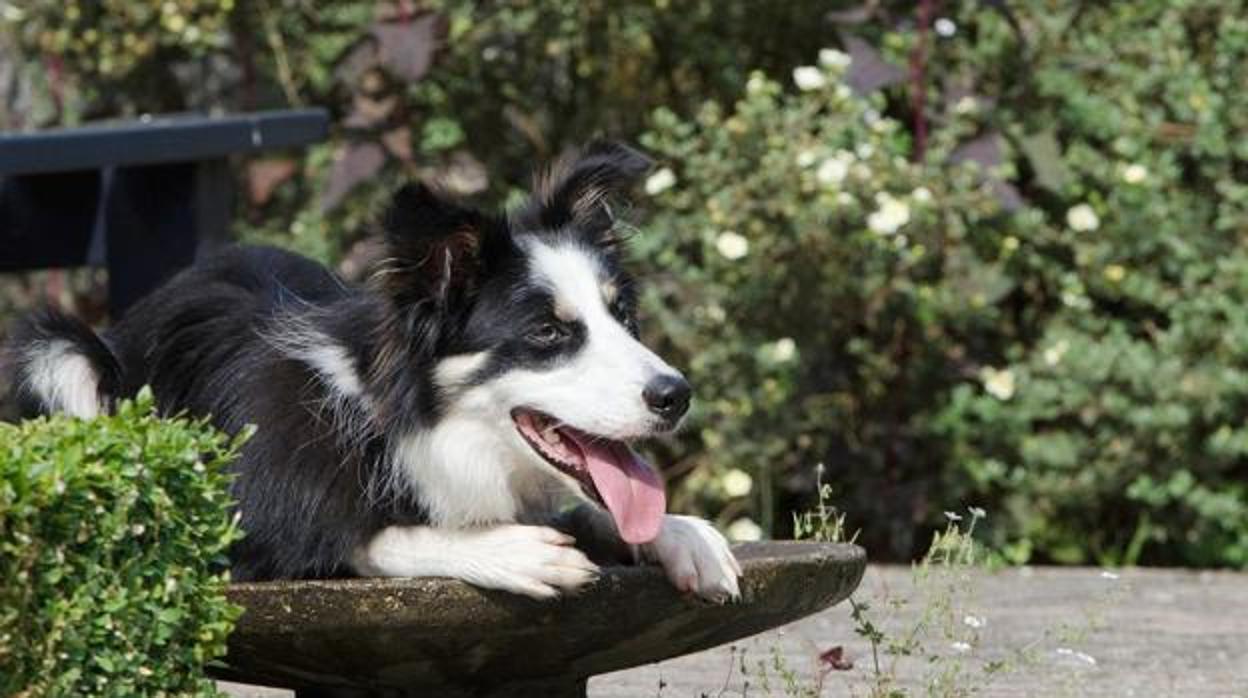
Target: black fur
[314,483]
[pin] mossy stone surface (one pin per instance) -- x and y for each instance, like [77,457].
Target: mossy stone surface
[397,637]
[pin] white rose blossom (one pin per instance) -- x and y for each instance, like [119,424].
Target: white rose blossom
[834,170]
[1134,173]
[1082,218]
[832,58]
[945,27]
[998,383]
[809,77]
[732,245]
[784,349]
[660,181]
[737,483]
[891,214]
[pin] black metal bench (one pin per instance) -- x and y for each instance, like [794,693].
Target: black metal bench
[140,198]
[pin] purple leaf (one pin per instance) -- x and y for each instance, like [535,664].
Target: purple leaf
[354,163]
[869,71]
[406,47]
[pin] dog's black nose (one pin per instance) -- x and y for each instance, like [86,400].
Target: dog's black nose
[668,396]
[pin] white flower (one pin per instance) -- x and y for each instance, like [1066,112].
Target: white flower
[890,216]
[965,105]
[843,91]
[832,58]
[808,77]
[978,513]
[732,245]
[961,647]
[716,313]
[998,382]
[1134,173]
[921,195]
[737,483]
[973,622]
[1053,355]
[784,349]
[806,158]
[138,529]
[660,181]
[744,530]
[1082,218]
[953,517]
[833,170]
[864,150]
[756,83]
[945,27]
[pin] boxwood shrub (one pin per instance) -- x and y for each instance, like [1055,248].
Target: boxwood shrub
[113,535]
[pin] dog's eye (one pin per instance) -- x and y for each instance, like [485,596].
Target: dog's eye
[548,333]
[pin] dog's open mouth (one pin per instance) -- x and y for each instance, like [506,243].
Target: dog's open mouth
[607,470]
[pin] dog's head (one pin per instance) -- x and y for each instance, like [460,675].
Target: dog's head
[529,329]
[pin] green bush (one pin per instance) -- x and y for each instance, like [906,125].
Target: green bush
[1074,360]
[113,535]
[817,287]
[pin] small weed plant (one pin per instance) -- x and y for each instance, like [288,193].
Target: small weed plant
[927,641]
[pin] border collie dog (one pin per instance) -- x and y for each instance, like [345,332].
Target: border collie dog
[465,414]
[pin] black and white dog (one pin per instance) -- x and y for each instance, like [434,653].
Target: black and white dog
[433,422]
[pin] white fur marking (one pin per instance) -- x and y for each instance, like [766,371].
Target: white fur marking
[64,379]
[600,389]
[299,339]
[535,561]
[696,558]
[456,370]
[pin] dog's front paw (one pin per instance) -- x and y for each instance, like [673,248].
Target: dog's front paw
[535,561]
[696,558]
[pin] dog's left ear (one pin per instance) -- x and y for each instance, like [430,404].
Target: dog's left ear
[433,245]
[577,192]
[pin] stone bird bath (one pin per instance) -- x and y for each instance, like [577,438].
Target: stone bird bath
[397,638]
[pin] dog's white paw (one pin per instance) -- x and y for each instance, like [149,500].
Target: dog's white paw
[535,561]
[696,558]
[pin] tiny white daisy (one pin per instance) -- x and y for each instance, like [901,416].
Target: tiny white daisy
[736,483]
[808,77]
[1082,218]
[1134,173]
[832,58]
[732,245]
[660,181]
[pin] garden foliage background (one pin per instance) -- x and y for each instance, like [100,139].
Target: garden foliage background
[961,252]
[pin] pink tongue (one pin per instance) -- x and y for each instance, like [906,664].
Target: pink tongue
[629,486]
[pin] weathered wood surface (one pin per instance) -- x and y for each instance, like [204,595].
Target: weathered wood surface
[1149,632]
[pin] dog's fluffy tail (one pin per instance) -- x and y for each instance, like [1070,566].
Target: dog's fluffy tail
[59,364]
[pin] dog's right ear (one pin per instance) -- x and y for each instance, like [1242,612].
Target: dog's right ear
[433,247]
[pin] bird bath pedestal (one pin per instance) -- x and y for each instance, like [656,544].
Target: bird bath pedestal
[396,638]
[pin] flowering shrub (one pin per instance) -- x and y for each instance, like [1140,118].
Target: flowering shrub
[1059,334]
[1121,435]
[821,290]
